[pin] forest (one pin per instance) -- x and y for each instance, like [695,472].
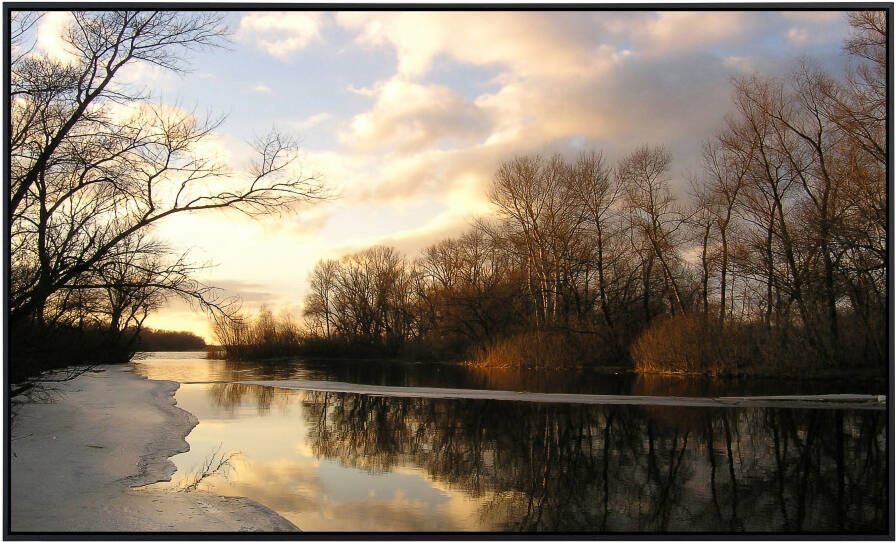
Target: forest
[772,261]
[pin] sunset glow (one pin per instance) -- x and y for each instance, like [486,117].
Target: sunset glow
[405,116]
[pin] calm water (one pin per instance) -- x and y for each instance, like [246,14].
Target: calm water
[345,461]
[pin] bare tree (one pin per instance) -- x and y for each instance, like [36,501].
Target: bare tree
[599,194]
[95,166]
[726,163]
[656,216]
[319,303]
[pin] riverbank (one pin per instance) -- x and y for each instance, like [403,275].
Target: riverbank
[79,459]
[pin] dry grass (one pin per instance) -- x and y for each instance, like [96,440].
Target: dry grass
[215,352]
[687,344]
[533,349]
[672,345]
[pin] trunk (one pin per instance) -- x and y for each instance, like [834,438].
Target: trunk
[704,260]
[602,280]
[724,278]
[646,294]
[797,294]
[831,301]
[676,292]
[770,299]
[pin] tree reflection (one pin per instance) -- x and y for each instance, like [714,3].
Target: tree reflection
[618,468]
[228,396]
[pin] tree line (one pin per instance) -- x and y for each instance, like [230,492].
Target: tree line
[160,340]
[773,261]
[94,166]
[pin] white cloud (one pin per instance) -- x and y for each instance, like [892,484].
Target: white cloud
[743,64]
[280,33]
[815,17]
[409,116]
[603,80]
[261,88]
[810,32]
[314,120]
[138,74]
[677,31]
[421,139]
[360,91]
[526,42]
[798,36]
[50,31]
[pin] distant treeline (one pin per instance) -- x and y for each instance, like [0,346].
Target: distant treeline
[774,262]
[159,340]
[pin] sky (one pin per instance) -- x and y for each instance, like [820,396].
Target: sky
[405,116]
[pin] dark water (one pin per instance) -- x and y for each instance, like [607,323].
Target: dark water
[344,461]
[190,367]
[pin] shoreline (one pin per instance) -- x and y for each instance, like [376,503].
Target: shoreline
[81,461]
[800,401]
[865,373]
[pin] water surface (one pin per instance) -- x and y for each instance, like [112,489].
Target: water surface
[344,461]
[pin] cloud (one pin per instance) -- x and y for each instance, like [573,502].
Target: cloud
[414,164]
[452,222]
[570,81]
[815,17]
[678,31]
[280,33]
[408,116]
[632,79]
[50,31]
[314,120]
[525,42]
[249,292]
[743,64]
[798,36]
[360,91]
[261,88]
[51,43]
[825,28]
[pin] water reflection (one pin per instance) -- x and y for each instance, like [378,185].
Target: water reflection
[190,367]
[567,467]
[544,467]
[228,396]
[341,461]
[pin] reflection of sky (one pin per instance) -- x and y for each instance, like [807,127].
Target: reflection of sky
[352,484]
[277,468]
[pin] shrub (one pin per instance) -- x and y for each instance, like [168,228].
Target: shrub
[674,345]
[533,349]
[687,344]
[263,337]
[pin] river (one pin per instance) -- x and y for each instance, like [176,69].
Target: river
[365,460]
